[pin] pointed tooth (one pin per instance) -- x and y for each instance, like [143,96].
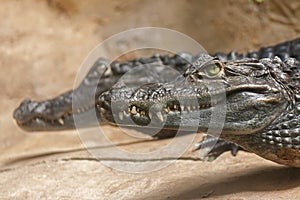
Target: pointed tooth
[61,121]
[182,107]
[167,109]
[150,116]
[189,108]
[175,107]
[121,116]
[133,110]
[160,116]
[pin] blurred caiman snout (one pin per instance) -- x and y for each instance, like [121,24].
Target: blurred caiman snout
[25,111]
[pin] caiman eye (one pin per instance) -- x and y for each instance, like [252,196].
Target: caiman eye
[212,69]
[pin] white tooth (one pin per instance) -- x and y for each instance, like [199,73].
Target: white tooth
[150,115]
[61,121]
[182,107]
[194,107]
[121,116]
[124,113]
[133,110]
[175,107]
[160,116]
[167,109]
[189,108]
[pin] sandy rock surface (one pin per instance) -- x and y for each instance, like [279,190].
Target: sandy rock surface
[43,44]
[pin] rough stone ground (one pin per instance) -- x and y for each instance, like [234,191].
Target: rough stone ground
[42,46]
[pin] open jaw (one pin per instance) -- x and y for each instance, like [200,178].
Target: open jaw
[246,107]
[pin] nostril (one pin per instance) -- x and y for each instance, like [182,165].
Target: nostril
[19,112]
[26,110]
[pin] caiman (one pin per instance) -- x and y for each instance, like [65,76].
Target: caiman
[260,91]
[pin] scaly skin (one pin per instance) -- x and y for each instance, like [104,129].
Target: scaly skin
[262,102]
[58,113]
[263,91]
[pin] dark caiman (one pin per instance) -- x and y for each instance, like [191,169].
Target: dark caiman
[261,90]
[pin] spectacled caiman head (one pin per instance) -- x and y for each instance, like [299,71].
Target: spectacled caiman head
[260,100]
[250,94]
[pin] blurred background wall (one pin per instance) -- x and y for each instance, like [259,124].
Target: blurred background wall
[218,25]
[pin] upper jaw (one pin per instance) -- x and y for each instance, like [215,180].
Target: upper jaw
[181,105]
[41,116]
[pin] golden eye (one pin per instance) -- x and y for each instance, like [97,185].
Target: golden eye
[213,69]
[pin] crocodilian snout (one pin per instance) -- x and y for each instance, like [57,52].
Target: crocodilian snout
[115,108]
[43,116]
[25,111]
